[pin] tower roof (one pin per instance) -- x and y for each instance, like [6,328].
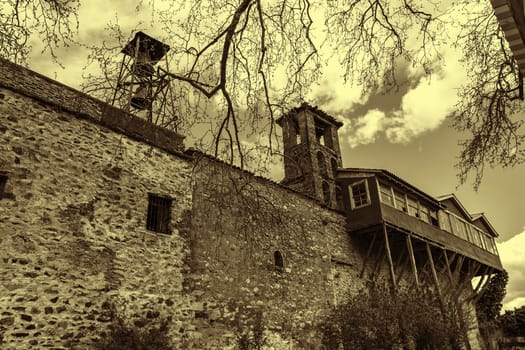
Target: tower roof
[146,43]
[306,106]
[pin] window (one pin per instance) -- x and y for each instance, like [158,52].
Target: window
[322,164]
[3,182]
[339,198]
[278,260]
[333,163]
[158,214]
[400,201]
[434,218]
[359,194]
[413,209]
[444,221]
[424,213]
[386,194]
[326,193]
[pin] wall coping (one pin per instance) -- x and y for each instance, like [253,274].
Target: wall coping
[62,97]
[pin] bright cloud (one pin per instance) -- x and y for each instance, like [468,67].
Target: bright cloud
[364,129]
[333,94]
[513,260]
[425,107]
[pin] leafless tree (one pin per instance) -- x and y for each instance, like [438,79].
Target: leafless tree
[490,106]
[54,22]
[238,65]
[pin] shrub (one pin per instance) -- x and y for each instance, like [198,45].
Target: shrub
[153,334]
[378,318]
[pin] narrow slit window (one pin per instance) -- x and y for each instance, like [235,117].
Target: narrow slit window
[278,260]
[326,193]
[321,161]
[158,214]
[3,182]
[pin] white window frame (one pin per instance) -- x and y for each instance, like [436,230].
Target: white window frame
[352,201]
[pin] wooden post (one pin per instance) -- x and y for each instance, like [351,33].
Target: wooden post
[434,273]
[412,258]
[389,256]
[447,262]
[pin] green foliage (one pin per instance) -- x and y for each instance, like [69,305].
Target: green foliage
[152,334]
[488,307]
[513,322]
[377,318]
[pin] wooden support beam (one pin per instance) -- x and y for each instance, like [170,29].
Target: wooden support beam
[448,269]
[369,251]
[389,256]
[434,273]
[412,259]
[447,263]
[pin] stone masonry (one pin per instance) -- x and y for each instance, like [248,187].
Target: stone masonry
[74,235]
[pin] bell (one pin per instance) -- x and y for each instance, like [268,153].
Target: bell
[141,99]
[143,65]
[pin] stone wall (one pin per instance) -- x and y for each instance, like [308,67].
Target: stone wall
[240,221]
[243,254]
[72,229]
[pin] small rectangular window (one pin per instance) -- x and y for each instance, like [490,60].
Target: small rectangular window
[3,182]
[359,194]
[158,219]
[434,218]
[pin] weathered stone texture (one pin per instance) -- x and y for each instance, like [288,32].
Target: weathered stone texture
[233,265]
[73,235]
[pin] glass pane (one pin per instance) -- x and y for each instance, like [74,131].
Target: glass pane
[400,201]
[444,223]
[412,207]
[386,195]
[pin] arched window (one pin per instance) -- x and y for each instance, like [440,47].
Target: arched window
[333,163]
[278,260]
[326,193]
[322,164]
[339,198]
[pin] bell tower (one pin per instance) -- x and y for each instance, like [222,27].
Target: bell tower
[311,153]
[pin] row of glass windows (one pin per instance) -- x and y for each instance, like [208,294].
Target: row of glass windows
[409,205]
[456,225]
[446,221]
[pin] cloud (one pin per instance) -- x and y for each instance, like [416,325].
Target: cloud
[423,108]
[364,129]
[333,94]
[513,260]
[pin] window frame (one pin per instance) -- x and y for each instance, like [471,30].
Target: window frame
[278,261]
[367,192]
[158,215]
[3,184]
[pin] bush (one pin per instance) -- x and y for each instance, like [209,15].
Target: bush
[377,318]
[123,335]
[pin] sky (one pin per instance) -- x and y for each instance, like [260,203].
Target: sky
[407,132]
